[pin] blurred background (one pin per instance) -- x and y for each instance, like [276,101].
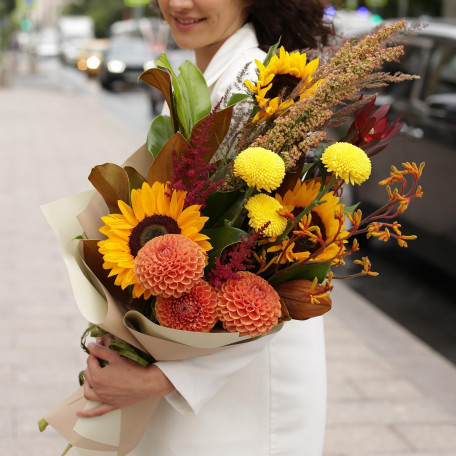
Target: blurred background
[69,99]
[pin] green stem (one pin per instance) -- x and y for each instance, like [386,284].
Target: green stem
[247,195]
[68,448]
[42,424]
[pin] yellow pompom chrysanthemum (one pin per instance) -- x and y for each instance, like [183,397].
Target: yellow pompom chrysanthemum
[260,168]
[263,209]
[348,162]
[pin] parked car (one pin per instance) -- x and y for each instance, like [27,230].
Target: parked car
[428,108]
[124,62]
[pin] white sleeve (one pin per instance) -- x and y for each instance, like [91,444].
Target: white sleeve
[197,380]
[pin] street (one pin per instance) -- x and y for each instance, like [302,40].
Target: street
[389,393]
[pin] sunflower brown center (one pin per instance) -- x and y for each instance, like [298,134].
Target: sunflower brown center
[283,85]
[149,228]
[305,244]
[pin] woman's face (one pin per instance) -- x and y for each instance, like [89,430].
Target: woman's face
[199,24]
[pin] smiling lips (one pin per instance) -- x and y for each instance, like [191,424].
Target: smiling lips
[187,22]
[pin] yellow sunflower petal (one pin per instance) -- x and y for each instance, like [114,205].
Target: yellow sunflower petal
[128,213]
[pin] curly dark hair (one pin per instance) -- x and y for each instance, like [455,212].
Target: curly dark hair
[300,23]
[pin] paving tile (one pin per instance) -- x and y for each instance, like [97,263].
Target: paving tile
[395,388]
[385,412]
[430,437]
[359,369]
[361,439]
[341,390]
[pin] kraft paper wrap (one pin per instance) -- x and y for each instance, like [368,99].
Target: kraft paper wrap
[69,218]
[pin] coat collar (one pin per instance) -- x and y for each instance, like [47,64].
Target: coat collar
[243,39]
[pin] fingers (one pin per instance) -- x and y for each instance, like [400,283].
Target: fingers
[102,352]
[89,393]
[96,411]
[104,340]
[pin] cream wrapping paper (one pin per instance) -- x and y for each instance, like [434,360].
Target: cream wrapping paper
[71,217]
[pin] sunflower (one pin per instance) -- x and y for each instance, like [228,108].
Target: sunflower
[322,216]
[278,79]
[154,211]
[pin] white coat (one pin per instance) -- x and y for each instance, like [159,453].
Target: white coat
[264,398]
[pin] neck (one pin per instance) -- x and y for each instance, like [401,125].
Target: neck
[205,54]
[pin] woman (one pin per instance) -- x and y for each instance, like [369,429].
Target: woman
[262,398]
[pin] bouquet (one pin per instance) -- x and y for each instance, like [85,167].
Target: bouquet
[229,221]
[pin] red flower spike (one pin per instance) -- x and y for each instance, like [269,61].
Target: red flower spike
[190,171]
[370,130]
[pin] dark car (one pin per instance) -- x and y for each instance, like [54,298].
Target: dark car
[428,108]
[124,62]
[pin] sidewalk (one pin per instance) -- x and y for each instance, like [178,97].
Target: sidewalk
[389,394]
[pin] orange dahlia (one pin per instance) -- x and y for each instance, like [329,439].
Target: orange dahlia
[169,265]
[248,305]
[195,310]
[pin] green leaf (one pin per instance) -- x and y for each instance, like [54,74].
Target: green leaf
[196,91]
[180,97]
[318,151]
[351,209]
[271,52]
[192,94]
[159,133]
[217,204]
[221,238]
[237,98]
[304,271]
[306,168]
[79,238]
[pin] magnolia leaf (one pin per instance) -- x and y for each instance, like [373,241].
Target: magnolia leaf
[159,132]
[196,91]
[302,271]
[217,204]
[183,107]
[134,178]
[237,98]
[162,167]
[220,238]
[111,181]
[159,79]
[217,131]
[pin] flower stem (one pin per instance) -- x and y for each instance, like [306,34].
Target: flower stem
[247,195]
[42,424]
[68,448]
